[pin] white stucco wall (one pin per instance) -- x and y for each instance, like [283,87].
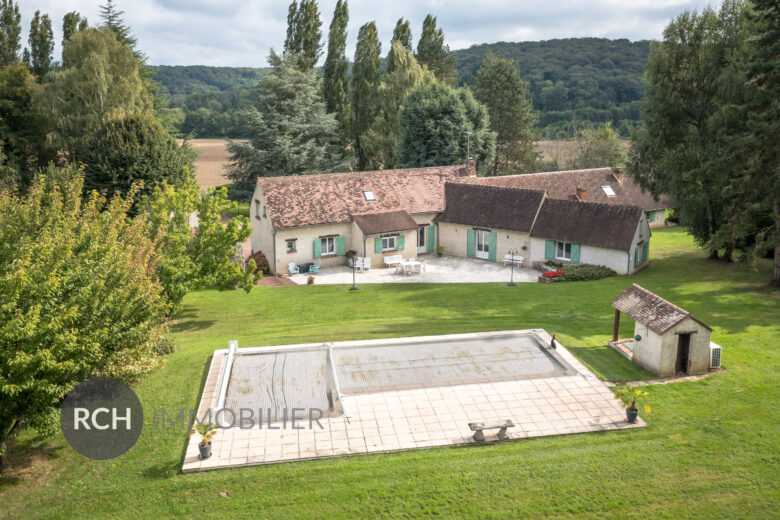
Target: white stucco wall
[377,259]
[658,353]
[304,238]
[262,231]
[453,237]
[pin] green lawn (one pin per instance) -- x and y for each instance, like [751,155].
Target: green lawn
[710,450]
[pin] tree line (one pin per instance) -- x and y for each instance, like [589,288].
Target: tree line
[97,249]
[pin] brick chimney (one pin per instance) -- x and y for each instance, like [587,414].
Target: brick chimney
[471,167]
[619,175]
[582,194]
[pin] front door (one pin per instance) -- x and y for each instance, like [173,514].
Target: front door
[421,247]
[683,348]
[483,244]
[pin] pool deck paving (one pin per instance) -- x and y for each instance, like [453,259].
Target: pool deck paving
[418,418]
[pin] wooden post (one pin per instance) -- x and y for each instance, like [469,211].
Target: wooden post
[616,329]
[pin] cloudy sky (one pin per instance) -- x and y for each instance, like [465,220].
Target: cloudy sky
[241,32]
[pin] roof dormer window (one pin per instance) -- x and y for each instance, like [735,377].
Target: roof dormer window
[369,195]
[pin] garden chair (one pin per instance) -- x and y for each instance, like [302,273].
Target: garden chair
[358,263]
[315,269]
[293,268]
[420,268]
[366,263]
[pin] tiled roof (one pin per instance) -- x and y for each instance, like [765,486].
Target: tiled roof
[306,200]
[564,184]
[386,222]
[650,310]
[587,223]
[512,209]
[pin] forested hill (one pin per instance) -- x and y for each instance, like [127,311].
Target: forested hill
[588,79]
[592,79]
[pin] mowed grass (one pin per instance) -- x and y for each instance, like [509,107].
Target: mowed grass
[710,449]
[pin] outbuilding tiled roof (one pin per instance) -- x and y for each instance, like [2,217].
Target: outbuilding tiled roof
[564,185]
[386,222]
[588,223]
[512,209]
[650,310]
[306,200]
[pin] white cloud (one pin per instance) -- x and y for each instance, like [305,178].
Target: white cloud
[240,33]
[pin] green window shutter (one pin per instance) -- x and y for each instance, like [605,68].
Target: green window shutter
[401,242]
[637,256]
[431,238]
[549,250]
[377,245]
[575,253]
[317,247]
[645,251]
[492,239]
[470,239]
[652,216]
[341,245]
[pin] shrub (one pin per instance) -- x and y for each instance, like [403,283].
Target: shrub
[579,272]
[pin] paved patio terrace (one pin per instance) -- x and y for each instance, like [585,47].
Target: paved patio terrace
[444,269]
[417,418]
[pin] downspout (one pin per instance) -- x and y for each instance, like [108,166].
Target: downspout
[628,262]
[276,271]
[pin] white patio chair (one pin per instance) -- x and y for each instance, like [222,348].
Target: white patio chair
[366,263]
[294,269]
[358,260]
[420,268]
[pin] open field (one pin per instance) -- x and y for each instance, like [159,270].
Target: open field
[710,449]
[211,161]
[564,152]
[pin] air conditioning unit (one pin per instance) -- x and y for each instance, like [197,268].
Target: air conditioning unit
[715,351]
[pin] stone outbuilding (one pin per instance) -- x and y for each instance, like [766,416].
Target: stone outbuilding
[667,339]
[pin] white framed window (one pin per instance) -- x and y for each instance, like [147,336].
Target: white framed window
[292,246]
[563,250]
[328,246]
[369,195]
[258,209]
[389,243]
[608,191]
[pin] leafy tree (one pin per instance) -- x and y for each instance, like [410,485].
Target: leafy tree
[434,123]
[10,33]
[191,259]
[102,80]
[756,187]
[405,76]
[304,34]
[366,75]
[598,147]
[23,123]
[433,53]
[41,42]
[128,149]
[77,298]
[402,34]
[289,131]
[71,23]
[499,86]
[694,79]
[335,86]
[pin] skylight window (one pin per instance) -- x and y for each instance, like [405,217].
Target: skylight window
[608,190]
[369,195]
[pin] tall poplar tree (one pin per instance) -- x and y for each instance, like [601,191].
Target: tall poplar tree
[10,33]
[403,35]
[433,53]
[41,42]
[335,86]
[499,86]
[71,23]
[366,76]
[304,34]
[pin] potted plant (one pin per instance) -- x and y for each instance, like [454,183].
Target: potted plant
[206,432]
[439,250]
[310,280]
[629,395]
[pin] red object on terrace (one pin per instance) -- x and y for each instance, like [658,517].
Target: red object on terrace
[553,274]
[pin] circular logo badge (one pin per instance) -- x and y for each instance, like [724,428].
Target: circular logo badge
[101,418]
